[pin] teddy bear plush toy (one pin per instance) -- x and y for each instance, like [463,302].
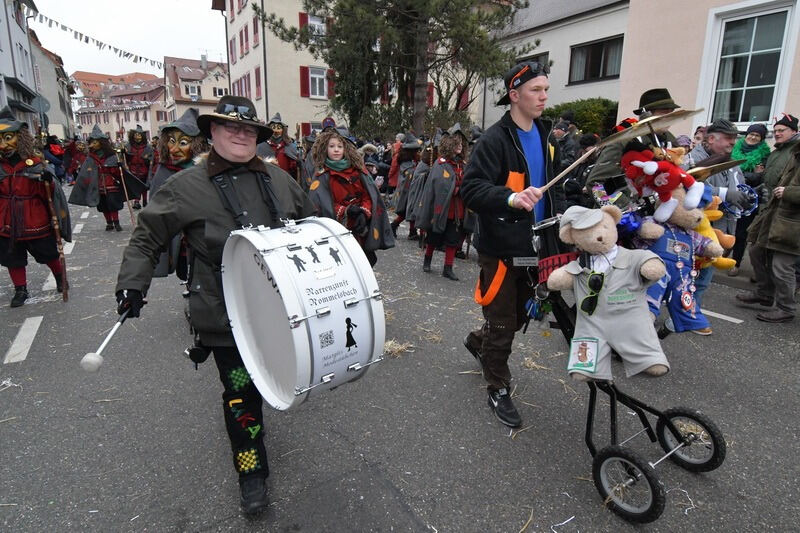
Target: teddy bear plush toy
[609,283]
[678,245]
[712,213]
[647,174]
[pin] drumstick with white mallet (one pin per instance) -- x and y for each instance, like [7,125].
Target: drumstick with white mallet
[92,360]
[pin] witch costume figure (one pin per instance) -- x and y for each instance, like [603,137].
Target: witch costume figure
[280,146]
[98,184]
[25,217]
[343,190]
[139,156]
[179,144]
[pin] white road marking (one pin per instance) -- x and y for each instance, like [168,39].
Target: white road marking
[50,283]
[721,316]
[68,247]
[77,229]
[22,343]
[85,214]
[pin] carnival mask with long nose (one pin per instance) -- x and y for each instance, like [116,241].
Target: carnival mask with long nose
[8,143]
[137,138]
[180,147]
[94,145]
[277,130]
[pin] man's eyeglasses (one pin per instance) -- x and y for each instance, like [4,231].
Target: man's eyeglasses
[780,130]
[235,129]
[239,111]
[595,284]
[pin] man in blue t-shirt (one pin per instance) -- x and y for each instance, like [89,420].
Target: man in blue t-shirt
[502,184]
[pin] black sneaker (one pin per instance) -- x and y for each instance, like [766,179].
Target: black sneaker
[253,490]
[503,407]
[117,226]
[136,204]
[110,226]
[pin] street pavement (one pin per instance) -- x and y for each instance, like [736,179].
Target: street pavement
[413,446]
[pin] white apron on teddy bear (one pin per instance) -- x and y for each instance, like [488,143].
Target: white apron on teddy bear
[610,284]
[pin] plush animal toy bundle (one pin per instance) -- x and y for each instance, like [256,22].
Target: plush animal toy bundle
[647,175]
[712,213]
[609,283]
[678,245]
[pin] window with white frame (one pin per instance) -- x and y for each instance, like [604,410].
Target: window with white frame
[317,83]
[749,58]
[316,127]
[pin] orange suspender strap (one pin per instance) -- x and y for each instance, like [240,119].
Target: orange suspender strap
[494,286]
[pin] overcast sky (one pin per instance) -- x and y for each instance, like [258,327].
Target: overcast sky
[151,28]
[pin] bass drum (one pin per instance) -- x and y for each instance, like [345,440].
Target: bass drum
[304,306]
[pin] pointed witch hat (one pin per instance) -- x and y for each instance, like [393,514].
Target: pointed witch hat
[187,123]
[8,122]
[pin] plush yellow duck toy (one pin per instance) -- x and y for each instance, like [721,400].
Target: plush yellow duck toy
[710,214]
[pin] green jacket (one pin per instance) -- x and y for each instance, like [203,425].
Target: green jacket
[775,165]
[777,226]
[189,202]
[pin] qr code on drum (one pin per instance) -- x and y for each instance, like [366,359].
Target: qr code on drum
[326,338]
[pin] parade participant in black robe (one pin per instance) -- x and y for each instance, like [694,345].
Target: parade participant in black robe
[139,156]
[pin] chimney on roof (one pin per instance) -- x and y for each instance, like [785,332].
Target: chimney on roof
[204,62]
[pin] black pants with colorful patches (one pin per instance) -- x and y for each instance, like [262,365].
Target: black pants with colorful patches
[244,420]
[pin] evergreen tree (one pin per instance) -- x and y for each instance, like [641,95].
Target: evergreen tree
[377,47]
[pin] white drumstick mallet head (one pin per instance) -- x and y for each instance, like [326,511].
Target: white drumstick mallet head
[91,361]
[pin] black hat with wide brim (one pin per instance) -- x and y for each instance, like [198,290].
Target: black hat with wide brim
[237,109]
[655,99]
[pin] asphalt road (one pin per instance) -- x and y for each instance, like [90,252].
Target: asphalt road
[141,445]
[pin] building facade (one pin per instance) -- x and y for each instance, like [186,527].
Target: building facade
[54,88]
[275,76]
[17,85]
[583,42]
[736,60]
[124,110]
[193,83]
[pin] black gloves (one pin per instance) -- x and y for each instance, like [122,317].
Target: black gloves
[737,198]
[353,211]
[130,299]
[360,226]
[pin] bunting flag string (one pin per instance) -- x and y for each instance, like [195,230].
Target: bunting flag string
[86,39]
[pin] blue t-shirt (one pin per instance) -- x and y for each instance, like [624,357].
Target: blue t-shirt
[532,148]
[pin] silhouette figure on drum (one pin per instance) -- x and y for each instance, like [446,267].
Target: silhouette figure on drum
[350,340]
[314,258]
[298,262]
[335,255]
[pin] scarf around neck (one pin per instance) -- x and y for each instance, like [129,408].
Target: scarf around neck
[753,155]
[340,165]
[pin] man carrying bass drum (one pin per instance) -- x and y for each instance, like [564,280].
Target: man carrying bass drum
[193,202]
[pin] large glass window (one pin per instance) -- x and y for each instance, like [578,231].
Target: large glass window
[748,67]
[597,60]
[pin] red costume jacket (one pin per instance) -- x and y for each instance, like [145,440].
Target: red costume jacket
[24,213]
[109,176]
[77,160]
[285,162]
[347,190]
[138,158]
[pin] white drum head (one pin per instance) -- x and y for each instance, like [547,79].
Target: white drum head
[301,308]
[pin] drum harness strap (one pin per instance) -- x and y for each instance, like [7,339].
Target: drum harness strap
[230,201]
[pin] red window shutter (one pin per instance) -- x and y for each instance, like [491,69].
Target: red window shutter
[241,43]
[331,83]
[255,31]
[385,93]
[306,128]
[305,90]
[463,98]
[430,94]
[303,20]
